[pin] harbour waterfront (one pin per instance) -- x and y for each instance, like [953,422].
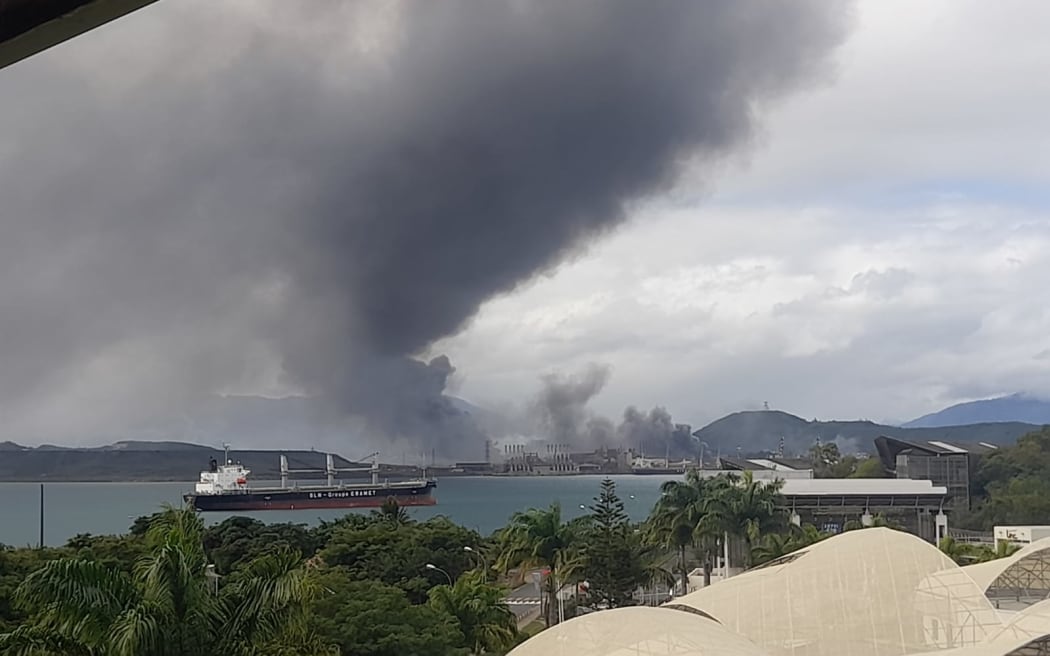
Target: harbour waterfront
[482,503]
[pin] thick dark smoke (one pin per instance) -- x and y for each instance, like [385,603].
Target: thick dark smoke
[336,186]
[560,414]
[654,433]
[561,406]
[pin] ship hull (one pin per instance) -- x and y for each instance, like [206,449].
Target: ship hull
[315,498]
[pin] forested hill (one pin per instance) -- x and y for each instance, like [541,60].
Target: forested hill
[759,431]
[143,461]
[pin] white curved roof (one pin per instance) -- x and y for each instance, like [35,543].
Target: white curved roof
[638,631]
[1031,625]
[872,592]
[1031,563]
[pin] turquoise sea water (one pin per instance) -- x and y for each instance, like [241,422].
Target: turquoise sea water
[482,503]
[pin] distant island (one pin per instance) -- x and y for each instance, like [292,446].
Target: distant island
[146,461]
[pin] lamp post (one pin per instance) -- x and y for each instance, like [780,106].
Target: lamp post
[438,569]
[484,562]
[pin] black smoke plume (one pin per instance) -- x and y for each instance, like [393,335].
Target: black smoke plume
[561,410]
[655,434]
[200,188]
[561,415]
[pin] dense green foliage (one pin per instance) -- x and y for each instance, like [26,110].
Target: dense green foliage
[487,625]
[359,585]
[969,554]
[169,606]
[15,566]
[370,618]
[828,462]
[398,554]
[240,540]
[1012,485]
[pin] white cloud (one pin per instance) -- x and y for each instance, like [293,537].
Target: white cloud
[829,319]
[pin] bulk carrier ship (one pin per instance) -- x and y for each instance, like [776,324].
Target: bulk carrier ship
[225,488]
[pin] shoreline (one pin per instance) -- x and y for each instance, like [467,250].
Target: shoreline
[190,482]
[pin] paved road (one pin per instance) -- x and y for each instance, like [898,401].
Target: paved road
[525,602]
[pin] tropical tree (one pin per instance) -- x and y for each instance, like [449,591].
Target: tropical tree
[869,468]
[1002,549]
[673,521]
[370,618]
[612,560]
[771,547]
[484,619]
[824,456]
[690,513]
[237,541]
[399,554]
[778,545]
[750,508]
[539,538]
[168,607]
[961,552]
[392,513]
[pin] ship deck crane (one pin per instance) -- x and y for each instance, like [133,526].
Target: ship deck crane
[330,469]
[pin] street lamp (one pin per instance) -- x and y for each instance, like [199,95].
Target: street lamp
[484,562]
[438,569]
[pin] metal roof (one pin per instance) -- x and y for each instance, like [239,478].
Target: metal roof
[860,487]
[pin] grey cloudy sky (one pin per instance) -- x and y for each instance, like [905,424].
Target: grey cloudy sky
[882,250]
[875,246]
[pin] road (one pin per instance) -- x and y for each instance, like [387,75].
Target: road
[525,602]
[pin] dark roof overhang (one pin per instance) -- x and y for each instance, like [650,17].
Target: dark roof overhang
[31,26]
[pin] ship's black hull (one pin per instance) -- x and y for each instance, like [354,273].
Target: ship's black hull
[351,496]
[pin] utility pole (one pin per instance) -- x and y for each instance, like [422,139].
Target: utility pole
[41,543]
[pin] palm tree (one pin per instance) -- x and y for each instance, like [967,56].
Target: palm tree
[653,559]
[960,552]
[486,622]
[392,512]
[674,520]
[689,513]
[752,508]
[168,607]
[807,534]
[539,538]
[771,547]
[1002,549]
[778,545]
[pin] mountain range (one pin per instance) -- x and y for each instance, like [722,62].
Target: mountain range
[1015,407]
[266,423]
[754,432]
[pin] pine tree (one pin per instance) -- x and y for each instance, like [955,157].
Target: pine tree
[612,560]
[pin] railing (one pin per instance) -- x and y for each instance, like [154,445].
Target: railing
[971,537]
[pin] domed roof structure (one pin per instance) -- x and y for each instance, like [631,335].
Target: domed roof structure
[1027,633]
[1024,575]
[871,592]
[638,631]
